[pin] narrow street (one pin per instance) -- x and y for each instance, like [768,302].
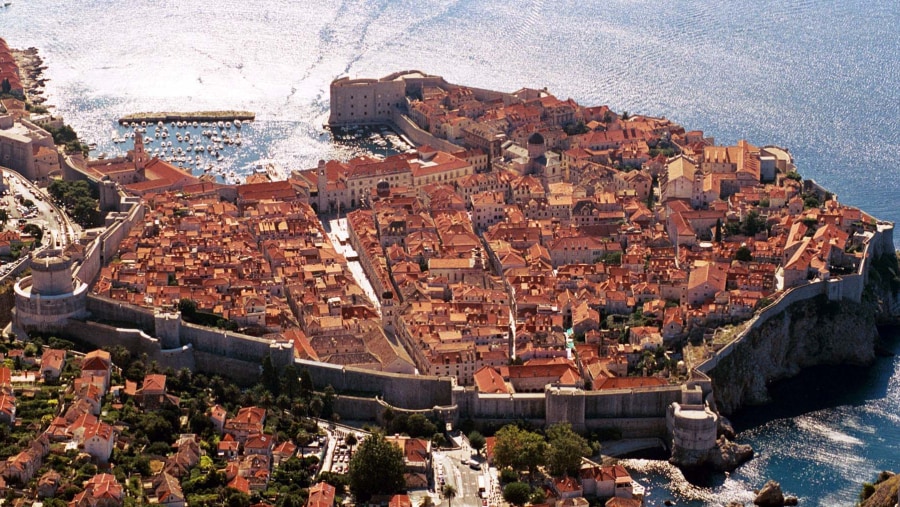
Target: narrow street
[336,230]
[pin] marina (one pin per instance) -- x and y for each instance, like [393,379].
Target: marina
[203,147]
[380,140]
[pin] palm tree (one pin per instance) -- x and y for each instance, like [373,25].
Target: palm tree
[449,493]
[351,440]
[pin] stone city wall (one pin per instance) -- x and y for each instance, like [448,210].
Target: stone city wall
[408,128]
[105,246]
[630,403]
[358,408]
[405,391]
[103,308]
[241,372]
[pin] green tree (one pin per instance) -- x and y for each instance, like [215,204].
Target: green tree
[35,231]
[269,376]
[449,492]
[538,496]
[743,254]
[419,426]
[187,307]
[517,493]
[290,382]
[519,449]
[235,498]
[376,468]
[351,440]
[476,440]
[752,223]
[315,406]
[566,450]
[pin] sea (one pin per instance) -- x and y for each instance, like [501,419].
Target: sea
[821,78]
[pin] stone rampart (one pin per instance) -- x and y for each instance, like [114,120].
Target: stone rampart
[357,408]
[630,403]
[406,391]
[415,134]
[241,372]
[116,311]
[106,245]
[225,343]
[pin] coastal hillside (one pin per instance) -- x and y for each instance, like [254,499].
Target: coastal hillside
[809,333]
[885,494]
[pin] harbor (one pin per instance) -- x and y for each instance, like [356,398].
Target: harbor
[203,147]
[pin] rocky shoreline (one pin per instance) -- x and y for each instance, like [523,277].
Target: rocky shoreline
[31,72]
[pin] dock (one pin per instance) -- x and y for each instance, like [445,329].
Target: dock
[168,117]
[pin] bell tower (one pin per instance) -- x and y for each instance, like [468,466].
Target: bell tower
[139,155]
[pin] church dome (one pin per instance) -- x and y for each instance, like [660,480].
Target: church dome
[536,138]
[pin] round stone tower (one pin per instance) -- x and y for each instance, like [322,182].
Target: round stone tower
[48,298]
[50,273]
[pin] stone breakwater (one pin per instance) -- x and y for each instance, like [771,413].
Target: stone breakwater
[188,116]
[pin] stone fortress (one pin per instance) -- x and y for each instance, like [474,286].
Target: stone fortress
[55,299]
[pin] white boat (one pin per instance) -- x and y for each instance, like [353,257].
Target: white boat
[195,124]
[237,123]
[221,125]
[160,124]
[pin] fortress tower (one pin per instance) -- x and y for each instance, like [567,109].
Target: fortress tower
[50,296]
[168,329]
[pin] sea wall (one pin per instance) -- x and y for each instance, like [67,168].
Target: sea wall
[420,137]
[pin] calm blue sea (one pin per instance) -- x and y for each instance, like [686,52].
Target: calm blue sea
[819,77]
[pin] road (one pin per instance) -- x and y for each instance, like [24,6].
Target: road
[58,229]
[452,465]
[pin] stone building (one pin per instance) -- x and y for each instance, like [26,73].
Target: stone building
[50,296]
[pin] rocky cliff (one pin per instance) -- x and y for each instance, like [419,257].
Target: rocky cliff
[808,333]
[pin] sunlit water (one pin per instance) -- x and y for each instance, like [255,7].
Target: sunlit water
[818,77]
[826,432]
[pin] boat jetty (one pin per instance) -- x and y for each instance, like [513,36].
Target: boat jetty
[206,116]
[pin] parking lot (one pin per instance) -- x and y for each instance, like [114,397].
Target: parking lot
[26,204]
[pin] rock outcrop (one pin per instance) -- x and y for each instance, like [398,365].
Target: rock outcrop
[885,491]
[808,333]
[725,456]
[770,495]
